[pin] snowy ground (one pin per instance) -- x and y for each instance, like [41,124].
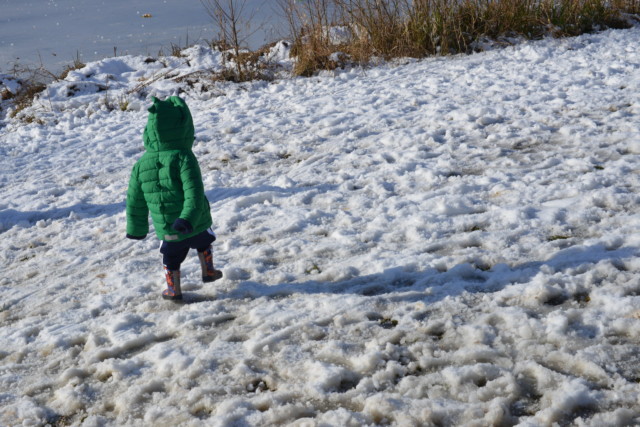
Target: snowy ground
[444,242]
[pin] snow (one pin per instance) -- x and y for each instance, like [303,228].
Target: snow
[450,241]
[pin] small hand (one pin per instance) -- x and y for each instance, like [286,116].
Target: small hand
[182,226]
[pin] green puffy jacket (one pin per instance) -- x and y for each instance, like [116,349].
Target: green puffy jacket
[166,180]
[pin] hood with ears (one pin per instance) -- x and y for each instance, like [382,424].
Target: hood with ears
[169,126]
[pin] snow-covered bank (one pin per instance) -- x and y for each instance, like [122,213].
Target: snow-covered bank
[447,242]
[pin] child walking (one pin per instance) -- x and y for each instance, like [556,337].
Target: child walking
[166,182]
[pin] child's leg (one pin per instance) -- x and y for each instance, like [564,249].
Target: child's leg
[174,290]
[209,273]
[173,254]
[202,243]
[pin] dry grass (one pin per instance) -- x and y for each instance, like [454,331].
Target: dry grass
[32,83]
[75,65]
[418,28]
[33,80]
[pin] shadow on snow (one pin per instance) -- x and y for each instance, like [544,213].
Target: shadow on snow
[11,217]
[398,284]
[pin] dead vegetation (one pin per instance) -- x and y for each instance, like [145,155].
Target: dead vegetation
[330,34]
[419,28]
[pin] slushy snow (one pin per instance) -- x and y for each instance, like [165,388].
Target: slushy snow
[451,241]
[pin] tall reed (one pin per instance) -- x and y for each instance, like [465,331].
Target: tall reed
[418,28]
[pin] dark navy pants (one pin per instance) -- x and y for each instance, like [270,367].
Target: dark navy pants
[174,253]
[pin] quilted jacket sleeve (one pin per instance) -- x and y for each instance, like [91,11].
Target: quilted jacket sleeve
[192,187]
[137,209]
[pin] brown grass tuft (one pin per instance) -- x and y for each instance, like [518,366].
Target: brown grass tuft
[419,28]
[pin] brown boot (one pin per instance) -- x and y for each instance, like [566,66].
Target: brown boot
[173,291]
[209,274]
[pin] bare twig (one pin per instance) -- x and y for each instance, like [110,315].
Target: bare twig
[229,16]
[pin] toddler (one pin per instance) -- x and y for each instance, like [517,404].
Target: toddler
[166,182]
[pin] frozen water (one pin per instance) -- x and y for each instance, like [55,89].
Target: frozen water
[56,32]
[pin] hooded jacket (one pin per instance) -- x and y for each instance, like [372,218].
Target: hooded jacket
[166,181]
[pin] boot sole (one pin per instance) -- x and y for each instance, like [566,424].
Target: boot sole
[209,279]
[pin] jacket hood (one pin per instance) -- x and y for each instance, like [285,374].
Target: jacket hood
[169,126]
